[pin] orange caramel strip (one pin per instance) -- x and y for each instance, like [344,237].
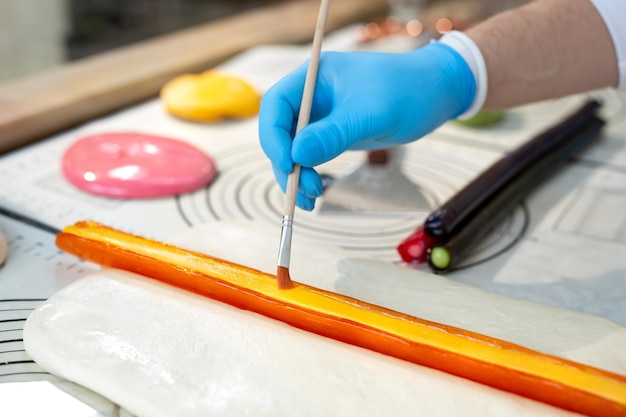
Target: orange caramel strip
[566,384]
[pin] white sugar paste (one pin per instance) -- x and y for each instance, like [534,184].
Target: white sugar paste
[159,351]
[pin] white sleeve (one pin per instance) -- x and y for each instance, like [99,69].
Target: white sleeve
[613,13]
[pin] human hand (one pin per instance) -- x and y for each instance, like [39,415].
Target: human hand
[362,101]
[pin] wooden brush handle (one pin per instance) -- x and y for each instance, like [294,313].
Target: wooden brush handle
[307,102]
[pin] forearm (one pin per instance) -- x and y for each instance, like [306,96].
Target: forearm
[545,49]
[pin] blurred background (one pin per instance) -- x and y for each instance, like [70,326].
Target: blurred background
[39,34]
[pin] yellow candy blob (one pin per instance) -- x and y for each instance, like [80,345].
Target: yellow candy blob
[210,96]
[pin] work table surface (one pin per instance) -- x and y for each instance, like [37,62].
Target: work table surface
[563,246]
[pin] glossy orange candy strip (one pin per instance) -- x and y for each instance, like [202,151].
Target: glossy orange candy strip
[499,364]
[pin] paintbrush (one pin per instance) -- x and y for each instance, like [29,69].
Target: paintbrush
[284,251]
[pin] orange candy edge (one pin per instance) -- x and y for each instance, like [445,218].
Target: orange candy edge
[565,384]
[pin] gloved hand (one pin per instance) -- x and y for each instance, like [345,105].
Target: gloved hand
[362,101]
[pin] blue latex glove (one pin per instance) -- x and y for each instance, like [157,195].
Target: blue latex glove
[362,101]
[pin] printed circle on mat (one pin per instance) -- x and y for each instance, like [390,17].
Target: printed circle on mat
[136,165]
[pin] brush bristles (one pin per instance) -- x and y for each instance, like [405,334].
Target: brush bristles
[284,280]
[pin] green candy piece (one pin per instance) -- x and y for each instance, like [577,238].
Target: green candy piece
[440,258]
[483,118]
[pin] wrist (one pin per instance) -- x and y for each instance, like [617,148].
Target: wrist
[469,52]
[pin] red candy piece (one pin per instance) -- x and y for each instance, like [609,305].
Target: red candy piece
[414,249]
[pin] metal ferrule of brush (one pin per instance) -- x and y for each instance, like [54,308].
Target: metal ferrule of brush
[285,241]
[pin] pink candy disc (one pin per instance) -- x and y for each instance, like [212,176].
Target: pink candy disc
[136,165]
